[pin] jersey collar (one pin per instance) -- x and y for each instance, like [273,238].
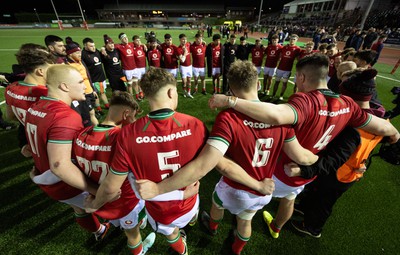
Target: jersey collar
[161,114]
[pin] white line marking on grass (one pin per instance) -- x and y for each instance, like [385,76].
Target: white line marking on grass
[3,102]
[387,78]
[8,49]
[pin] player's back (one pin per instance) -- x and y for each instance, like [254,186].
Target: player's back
[51,121]
[320,116]
[21,95]
[158,145]
[254,145]
[94,149]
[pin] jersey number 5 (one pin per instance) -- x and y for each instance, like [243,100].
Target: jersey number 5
[163,162]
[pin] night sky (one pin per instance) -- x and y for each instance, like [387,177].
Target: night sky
[71,6]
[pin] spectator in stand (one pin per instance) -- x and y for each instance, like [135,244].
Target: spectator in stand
[317,38]
[353,33]
[214,53]
[281,36]
[112,65]
[370,37]
[377,47]
[357,40]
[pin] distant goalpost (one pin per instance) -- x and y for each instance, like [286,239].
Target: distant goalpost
[60,22]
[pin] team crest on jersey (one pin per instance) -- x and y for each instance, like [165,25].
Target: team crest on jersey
[128,222]
[96,59]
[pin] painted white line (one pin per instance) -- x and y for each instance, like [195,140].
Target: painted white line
[3,102]
[8,49]
[387,78]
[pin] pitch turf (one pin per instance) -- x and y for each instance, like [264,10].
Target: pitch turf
[365,220]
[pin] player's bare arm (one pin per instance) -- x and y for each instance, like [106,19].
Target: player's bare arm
[236,173]
[298,153]
[62,166]
[266,112]
[108,191]
[194,171]
[379,126]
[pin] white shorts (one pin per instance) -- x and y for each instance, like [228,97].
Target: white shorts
[172,71]
[186,71]
[180,222]
[286,191]
[284,75]
[236,200]
[269,71]
[199,71]
[216,70]
[130,74]
[139,72]
[258,69]
[130,220]
[77,200]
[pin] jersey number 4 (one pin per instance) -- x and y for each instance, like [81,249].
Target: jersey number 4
[325,139]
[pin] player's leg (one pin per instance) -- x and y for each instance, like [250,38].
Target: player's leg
[177,241]
[90,222]
[189,85]
[243,231]
[196,83]
[203,84]
[276,86]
